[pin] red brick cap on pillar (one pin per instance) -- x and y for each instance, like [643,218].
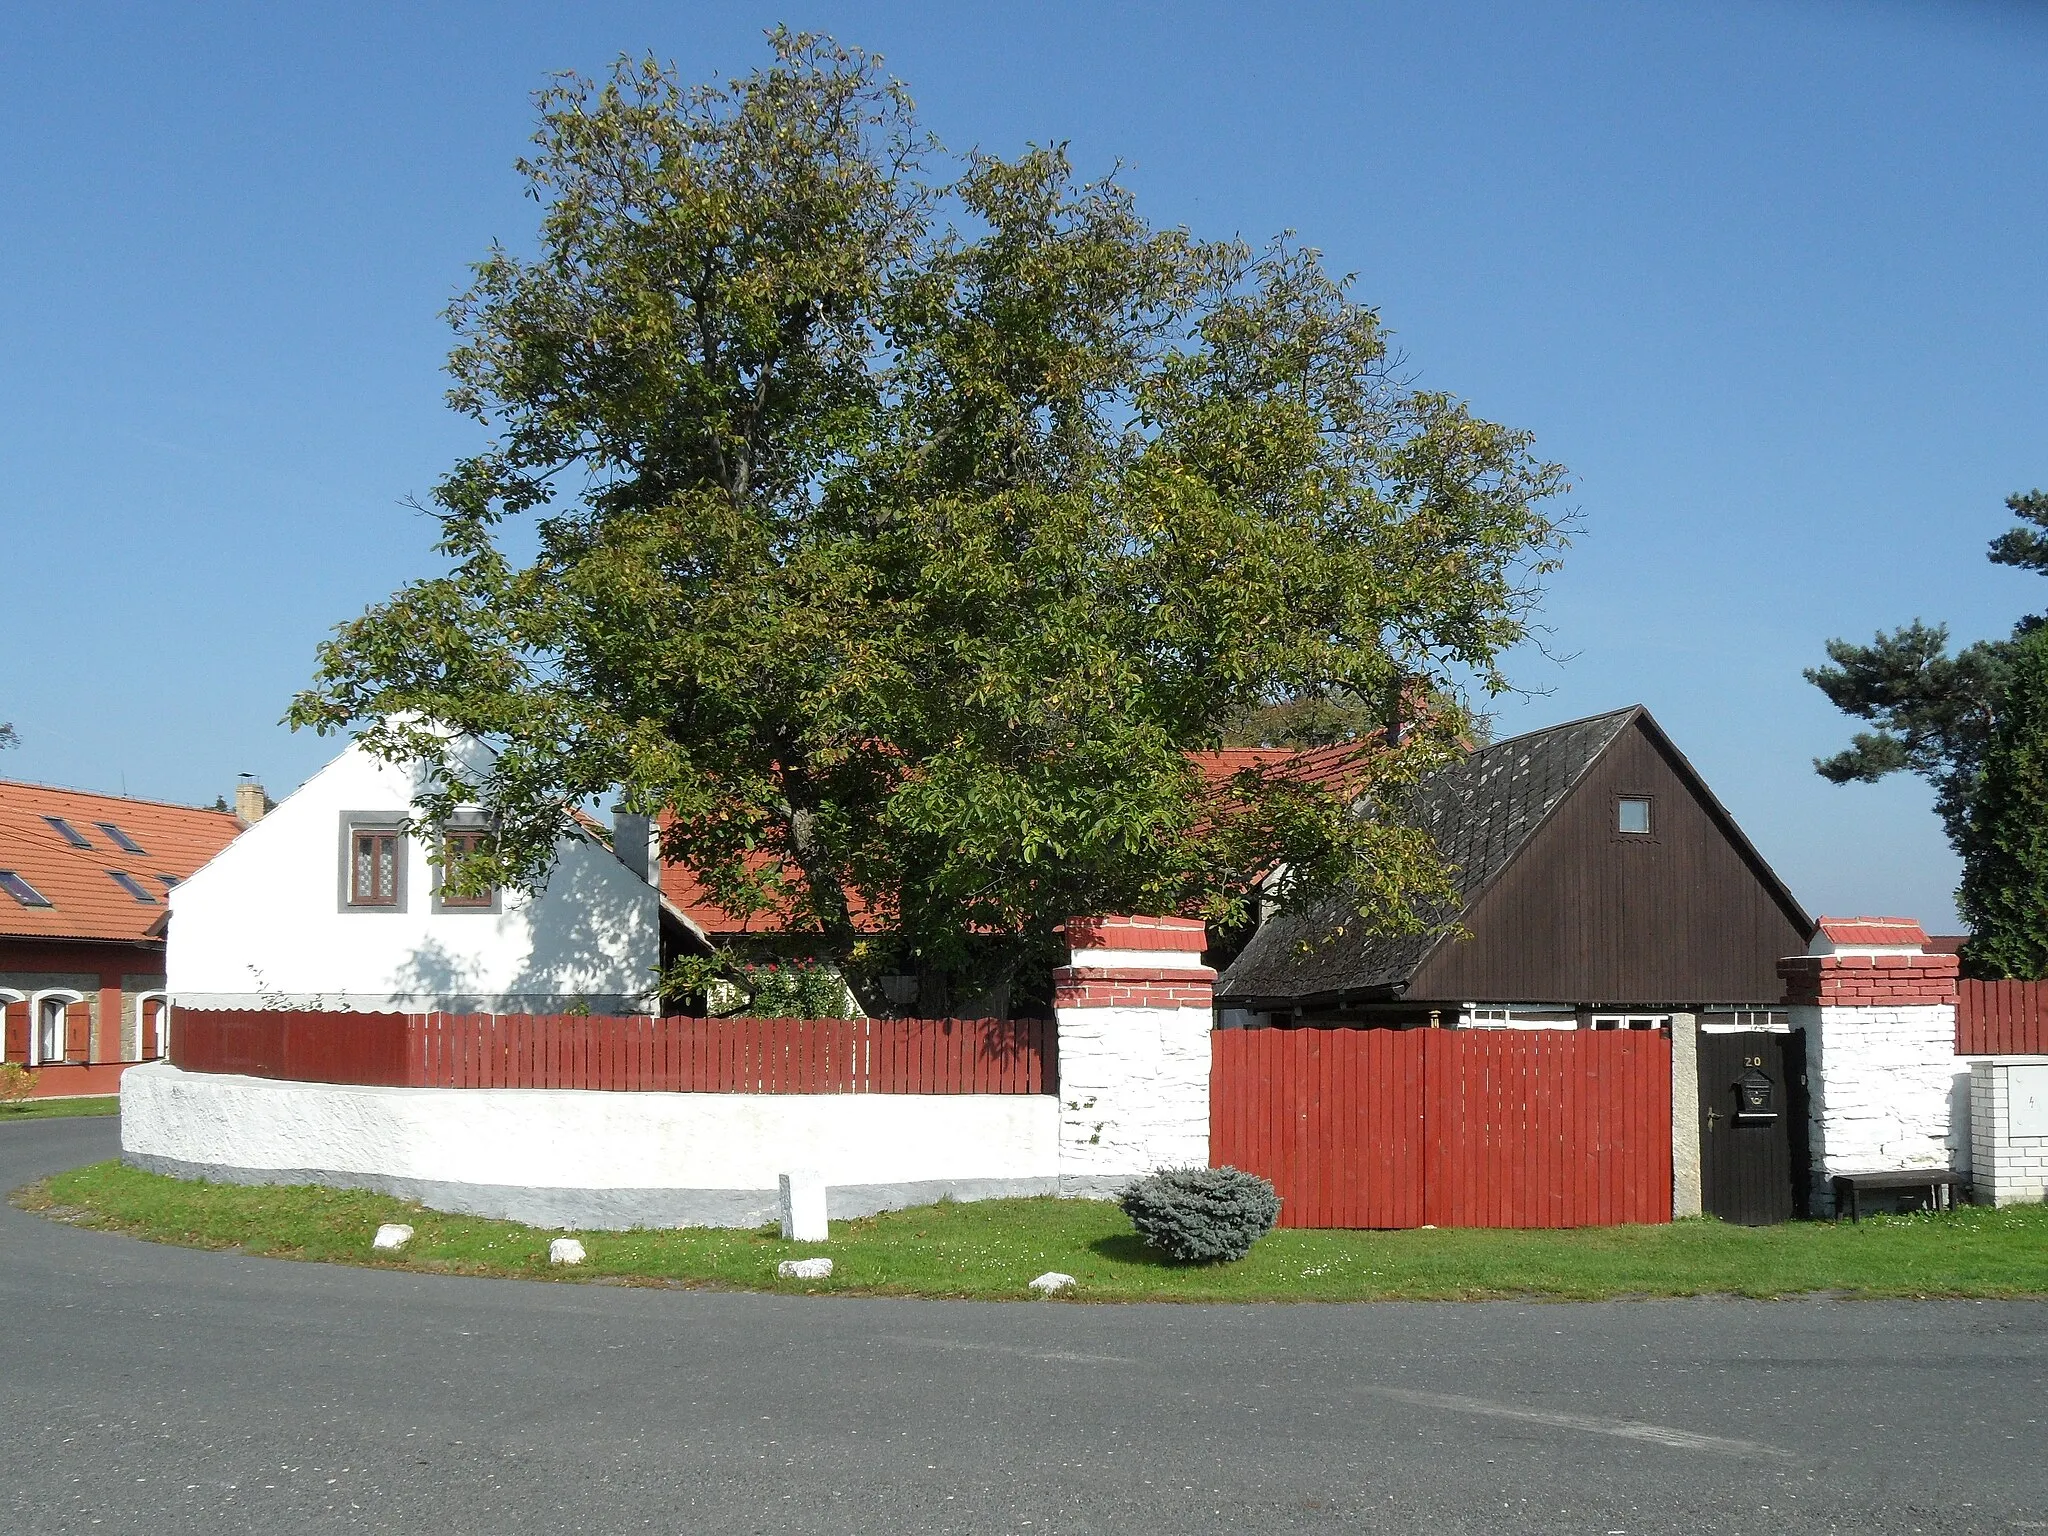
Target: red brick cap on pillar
[1893,972]
[1129,982]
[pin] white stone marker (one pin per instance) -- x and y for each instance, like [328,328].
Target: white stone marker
[392,1235]
[803,1206]
[804,1269]
[1052,1282]
[565,1250]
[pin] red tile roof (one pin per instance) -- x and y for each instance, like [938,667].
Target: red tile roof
[1867,931]
[1315,765]
[86,901]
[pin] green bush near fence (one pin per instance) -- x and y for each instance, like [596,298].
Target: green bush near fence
[992,1249]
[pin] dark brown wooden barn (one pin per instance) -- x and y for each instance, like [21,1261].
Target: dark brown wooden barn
[1602,885]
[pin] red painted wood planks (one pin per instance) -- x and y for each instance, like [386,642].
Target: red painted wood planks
[2002,1018]
[1398,1128]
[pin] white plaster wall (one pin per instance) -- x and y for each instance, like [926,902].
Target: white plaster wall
[550,1139]
[262,925]
[2010,1167]
[1134,1093]
[1879,1089]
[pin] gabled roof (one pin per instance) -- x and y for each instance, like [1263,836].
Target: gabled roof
[1482,812]
[85,899]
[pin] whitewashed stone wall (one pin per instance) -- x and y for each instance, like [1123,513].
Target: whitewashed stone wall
[1878,1088]
[1134,1094]
[2009,1130]
[572,1158]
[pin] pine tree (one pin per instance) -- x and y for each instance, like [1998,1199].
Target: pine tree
[2004,895]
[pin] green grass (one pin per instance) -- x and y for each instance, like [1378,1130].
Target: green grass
[58,1109]
[990,1249]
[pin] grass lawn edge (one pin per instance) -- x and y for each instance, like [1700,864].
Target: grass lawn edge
[988,1250]
[81,1107]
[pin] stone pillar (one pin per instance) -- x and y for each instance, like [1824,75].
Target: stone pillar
[1135,1007]
[1685,1116]
[1880,1019]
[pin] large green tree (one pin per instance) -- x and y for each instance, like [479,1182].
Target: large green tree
[899,523]
[1946,718]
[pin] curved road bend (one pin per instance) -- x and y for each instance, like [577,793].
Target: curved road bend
[154,1390]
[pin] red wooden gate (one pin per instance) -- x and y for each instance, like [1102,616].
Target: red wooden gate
[1450,1128]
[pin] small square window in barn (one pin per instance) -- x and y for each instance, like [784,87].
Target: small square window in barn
[1632,815]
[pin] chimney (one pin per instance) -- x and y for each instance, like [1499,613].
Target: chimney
[637,841]
[250,801]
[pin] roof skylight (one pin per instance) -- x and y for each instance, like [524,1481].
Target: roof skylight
[121,839]
[22,891]
[131,885]
[68,832]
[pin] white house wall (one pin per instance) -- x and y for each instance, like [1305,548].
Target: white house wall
[572,1158]
[264,924]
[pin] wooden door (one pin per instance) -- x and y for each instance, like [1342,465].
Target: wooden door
[1753,1162]
[150,1046]
[17,1032]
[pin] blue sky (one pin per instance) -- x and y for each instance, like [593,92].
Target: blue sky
[1771,278]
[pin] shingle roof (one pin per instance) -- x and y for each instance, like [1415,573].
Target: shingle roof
[1481,812]
[85,900]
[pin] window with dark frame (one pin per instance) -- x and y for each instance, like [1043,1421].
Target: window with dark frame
[463,843]
[1632,815]
[373,854]
[121,839]
[22,891]
[131,885]
[68,832]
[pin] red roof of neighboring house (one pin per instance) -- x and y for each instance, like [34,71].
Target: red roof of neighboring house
[81,896]
[1946,943]
[683,891]
[1862,931]
[1314,765]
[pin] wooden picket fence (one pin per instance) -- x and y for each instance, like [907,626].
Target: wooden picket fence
[623,1055]
[2002,1018]
[1448,1128]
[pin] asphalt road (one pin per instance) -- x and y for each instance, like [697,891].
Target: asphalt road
[158,1390]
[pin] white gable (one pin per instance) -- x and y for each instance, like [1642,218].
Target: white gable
[269,922]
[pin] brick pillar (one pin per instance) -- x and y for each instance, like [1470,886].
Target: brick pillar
[1880,1019]
[1135,1007]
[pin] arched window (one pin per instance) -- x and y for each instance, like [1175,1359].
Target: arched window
[60,1029]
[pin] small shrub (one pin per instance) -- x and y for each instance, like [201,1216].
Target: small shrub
[801,989]
[1201,1215]
[16,1084]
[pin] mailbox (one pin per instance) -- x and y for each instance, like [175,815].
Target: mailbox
[1756,1098]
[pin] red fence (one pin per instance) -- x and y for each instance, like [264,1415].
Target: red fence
[624,1055]
[2002,1018]
[1451,1128]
